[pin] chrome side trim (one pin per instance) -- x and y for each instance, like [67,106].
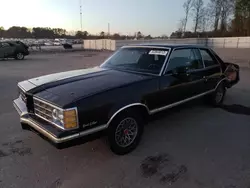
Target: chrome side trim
[125,107]
[180,102]
[53,138]
[93,130]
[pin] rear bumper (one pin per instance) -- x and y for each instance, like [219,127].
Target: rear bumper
[59,138]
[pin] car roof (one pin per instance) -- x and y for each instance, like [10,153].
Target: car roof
[168,45]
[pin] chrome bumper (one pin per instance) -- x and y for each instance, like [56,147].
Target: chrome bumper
[26,119]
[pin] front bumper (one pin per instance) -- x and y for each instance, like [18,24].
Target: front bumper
[49,132]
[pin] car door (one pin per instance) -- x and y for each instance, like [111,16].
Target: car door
[7,49]
[1,51]
[182,78]
[212,71]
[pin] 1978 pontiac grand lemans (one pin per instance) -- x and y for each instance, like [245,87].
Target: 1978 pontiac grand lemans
[135,82]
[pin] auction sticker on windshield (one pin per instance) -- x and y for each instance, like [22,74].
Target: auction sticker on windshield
[158,52]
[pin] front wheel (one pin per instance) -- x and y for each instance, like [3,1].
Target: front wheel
[125,132]
[19,56]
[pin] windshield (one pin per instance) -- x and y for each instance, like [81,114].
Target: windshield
[145,60]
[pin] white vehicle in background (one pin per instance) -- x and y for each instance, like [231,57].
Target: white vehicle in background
[48,43]
[57,42]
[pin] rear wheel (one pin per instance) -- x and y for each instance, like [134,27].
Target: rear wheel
[19,56]
[125,132]
[217,98]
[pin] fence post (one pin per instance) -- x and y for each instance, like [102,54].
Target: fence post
[238,42]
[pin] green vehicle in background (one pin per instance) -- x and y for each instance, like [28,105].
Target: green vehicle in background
[13,49]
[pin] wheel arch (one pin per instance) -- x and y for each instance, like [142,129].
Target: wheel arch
[223,80]
[137,106]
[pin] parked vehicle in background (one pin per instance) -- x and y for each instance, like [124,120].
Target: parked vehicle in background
[24,45]
[48,44]
[57,43]
[13,49]
[134,83]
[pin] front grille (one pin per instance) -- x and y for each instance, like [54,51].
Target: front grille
[43,110]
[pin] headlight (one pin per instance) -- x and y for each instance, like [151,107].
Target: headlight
[70,119]
[65,118]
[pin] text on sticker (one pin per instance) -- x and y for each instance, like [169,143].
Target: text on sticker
[158,52]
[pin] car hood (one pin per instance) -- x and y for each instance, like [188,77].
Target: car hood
[67,87]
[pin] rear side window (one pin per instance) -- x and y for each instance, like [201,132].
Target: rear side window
[208,58]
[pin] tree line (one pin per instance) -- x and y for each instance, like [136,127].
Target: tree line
[217,18]
[51,33]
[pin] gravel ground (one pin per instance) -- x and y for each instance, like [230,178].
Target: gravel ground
[191,146]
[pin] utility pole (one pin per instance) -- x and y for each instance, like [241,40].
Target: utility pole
[81,21]
[108,30]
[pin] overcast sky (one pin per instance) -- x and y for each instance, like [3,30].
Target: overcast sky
[155,17]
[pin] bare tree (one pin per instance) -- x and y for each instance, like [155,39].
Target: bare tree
[205,20]
[181,25]
[198,10]
[221,12]
[216,4]
[227,9]
[187,7]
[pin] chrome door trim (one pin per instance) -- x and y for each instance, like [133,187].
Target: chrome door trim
[179,102]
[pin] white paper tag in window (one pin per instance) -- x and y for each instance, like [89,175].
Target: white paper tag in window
[158,52]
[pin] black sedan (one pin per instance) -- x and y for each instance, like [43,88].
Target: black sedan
[117,97]
[13,49]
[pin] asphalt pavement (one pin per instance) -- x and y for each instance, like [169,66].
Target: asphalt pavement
[190,146]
